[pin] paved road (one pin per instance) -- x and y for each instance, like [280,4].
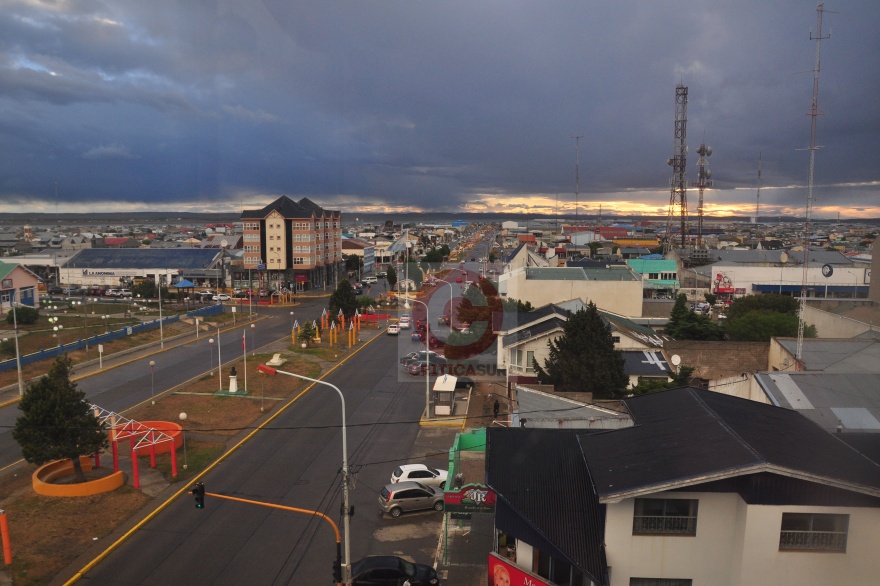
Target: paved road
[131,383]
[295,461]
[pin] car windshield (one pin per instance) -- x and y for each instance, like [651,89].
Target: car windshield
[398,472]
[385,492]
[434,471]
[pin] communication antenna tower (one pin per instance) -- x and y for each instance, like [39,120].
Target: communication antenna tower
[813,114]
[678,162]
[704,180]
[758,192]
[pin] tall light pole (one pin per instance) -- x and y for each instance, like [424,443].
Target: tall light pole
[211,342]
[346,515]
[183,433]
[161,333]
[427,354]
[253,343]
[152,379]
[17,354]
[219,362]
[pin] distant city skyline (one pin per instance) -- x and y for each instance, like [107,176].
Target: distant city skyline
[402,107]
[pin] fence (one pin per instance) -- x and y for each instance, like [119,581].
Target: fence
[109,336]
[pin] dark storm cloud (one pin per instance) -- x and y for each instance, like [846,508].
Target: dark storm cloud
[430,105]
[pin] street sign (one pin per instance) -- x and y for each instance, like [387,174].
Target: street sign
[261,267]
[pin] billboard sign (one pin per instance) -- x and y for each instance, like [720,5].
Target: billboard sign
[470,498]
[503,573]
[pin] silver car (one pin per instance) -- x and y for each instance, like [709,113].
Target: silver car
[396,498]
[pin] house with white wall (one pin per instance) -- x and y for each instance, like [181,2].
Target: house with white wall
[704,489]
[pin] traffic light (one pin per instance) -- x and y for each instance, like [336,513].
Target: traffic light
[337,571]
[198,491]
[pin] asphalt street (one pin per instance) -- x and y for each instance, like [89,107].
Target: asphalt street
[295,461]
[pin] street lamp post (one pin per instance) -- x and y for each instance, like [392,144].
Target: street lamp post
[183,434]
[346,515]
[152,379]
[106,324]
[17,354]
[253,344]
[161,333]
[211,342]
[427,354]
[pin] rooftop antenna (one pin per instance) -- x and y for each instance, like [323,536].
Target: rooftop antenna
[813,114]
[758,193]
[678,162]
[577,175]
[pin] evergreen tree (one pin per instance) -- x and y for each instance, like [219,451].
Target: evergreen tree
[391,277]
[583,359]
[684,324]
[56,422]
[343,298]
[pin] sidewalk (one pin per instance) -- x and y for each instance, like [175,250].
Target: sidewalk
[464,544]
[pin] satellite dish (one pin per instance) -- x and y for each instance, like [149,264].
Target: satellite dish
[676,359]
[224,243]
[783,257]
[708,151]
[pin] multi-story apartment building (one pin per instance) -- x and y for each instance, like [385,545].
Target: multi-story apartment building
[298,242]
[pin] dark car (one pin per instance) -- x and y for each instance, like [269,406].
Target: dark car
[389,570]
[55,290]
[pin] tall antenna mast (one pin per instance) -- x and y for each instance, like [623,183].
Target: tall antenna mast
[758,193]
[678,162]
[577,176]
[808,216]
[704,180]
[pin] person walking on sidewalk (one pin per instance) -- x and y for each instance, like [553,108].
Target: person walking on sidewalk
[495,408]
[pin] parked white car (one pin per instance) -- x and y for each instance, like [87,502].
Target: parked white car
[419,473]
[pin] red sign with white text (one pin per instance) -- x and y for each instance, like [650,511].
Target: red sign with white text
[503,573]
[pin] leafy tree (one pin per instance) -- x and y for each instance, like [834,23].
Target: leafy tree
[435,255]
[768,302]
[684,324]
[757,318]
[710,298]
[760,326]
[23,315]
[584,359]
[391,277]
[56,422]
[343,298]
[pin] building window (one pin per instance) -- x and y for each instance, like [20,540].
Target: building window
[665,517]
[813,531]
[654,276]
[659,582]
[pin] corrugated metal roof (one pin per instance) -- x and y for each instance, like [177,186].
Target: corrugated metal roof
[689,436]
[144,258]
[562,517]
[536,406]
[842,355]
[821,395]
[580,274]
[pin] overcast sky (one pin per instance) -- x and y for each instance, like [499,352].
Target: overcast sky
[372,105]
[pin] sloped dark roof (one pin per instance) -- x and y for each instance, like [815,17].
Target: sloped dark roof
[144,258]
[534,331]
[288,208]
[563,516]
[689,436]
[513,253]
[645,362]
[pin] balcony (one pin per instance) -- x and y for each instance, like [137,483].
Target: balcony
[664,525]
[813,540]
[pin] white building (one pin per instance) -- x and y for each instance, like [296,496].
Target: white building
[703,490]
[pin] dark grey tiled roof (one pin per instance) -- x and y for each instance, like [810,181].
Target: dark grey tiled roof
[690,436]
[288,208]
[564,516]
[645,362]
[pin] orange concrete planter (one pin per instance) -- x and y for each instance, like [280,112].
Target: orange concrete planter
[44,475]
[168,428]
